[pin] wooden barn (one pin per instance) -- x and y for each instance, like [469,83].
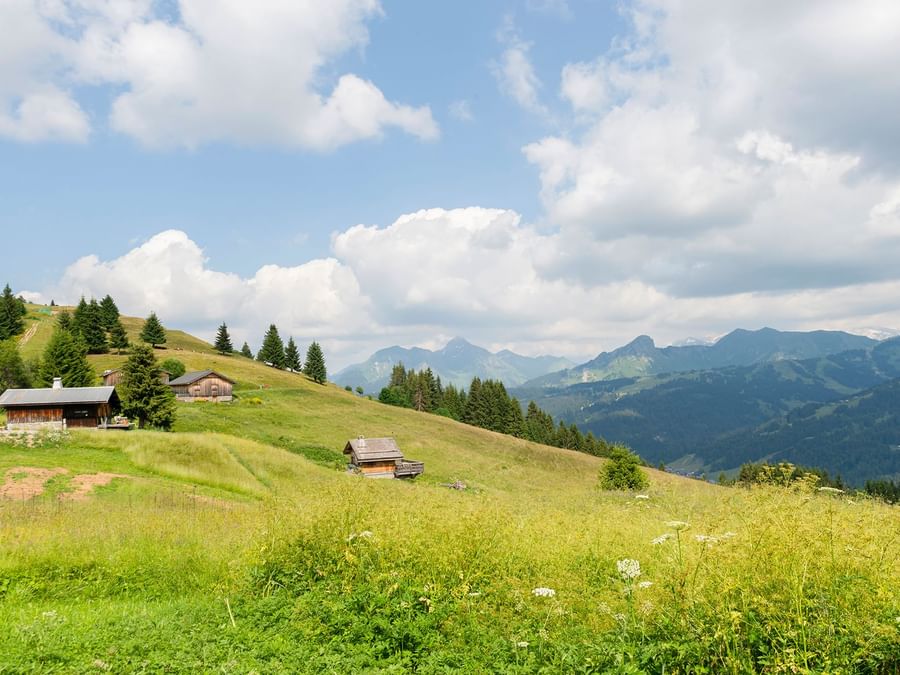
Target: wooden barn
[59,407]
[380,458]
[111,378]
[202,385]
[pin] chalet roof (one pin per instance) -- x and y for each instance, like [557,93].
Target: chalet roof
[190,378]
[13,398]
[373,449]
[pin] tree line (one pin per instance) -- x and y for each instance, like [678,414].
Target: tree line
[275,353]
[485,404]
[12,314]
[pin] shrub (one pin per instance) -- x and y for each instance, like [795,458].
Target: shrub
[622,471]
[174,367]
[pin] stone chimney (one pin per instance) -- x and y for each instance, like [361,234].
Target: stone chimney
[57,383]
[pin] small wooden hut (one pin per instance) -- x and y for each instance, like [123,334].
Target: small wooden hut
[202,385]
[380,458]
[59,407]
[111,378]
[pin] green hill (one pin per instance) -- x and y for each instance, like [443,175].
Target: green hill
[238,543]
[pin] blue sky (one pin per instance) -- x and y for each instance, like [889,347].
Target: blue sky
[551,176]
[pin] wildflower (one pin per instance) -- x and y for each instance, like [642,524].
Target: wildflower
[629,569]
[645,584]
[678,524]
[728,535]
[522,644]
[831,490]
[706,539]
[365,534]
[661,539]
[619,617]
[473,594]
[542,592]
[642,496]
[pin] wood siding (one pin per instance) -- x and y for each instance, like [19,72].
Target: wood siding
[209,388]
[33,415]
[386,468]
[84,416]
[115,377]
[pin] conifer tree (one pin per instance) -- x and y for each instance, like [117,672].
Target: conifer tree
[143,394]
[272,350]
[12,310]
[153,332]
[314,367]
[246,351]
[292,356]
[109,313]
[223,340]
[80,317]
[13,374]
[91,328]
[118,338]
[66,357]
[64,321]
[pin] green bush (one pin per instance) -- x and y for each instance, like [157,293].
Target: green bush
[622,471]
[174,367]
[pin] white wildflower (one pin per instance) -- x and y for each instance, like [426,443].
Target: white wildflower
[706,539]
[619,617]
[642,496]
[474,594]
[661,539]
[831,490]
[728,535]
[542,592]
[645,584]
[678,524]
[365,534]
[629,569]
[522,644]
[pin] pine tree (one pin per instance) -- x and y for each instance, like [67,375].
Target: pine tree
[292,356]
[118,338]
[153,332]
[13,374]
[80,317]
[66,357]
[11,313]
[91,329]
[143,394]
[109,313]
[315,364]
[223,340]
[245,351]
[272,350]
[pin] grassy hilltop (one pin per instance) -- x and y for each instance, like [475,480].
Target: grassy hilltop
[238,544]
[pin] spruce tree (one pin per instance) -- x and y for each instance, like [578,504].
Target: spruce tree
[80,317]
[109,313]
[64,321]
[118,338]
[11,313]
[144,396]
[314,367]
[272,350]
[292,356]
[66,357]
[246,351]
[13,374]
[153,332]
[223,340]
[91,329]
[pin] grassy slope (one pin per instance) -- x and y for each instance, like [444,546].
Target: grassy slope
[230,507]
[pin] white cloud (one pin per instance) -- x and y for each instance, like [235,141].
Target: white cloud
[462,111]
[514,71]
[225,70]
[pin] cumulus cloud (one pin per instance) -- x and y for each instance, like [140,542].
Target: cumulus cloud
[222,70]
[711,155]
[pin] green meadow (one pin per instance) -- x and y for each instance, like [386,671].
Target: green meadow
[239,544]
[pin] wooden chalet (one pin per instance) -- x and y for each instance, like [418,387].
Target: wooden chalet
[59,407]
[202,385]
[380,458]
[111,378]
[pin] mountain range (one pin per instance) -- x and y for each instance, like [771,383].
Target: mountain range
[642,357]
[457,363]
[813,411]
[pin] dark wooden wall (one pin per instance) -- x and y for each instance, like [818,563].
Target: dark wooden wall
[209,387]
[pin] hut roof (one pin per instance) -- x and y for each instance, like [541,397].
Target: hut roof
[190,378]
[13,398]
[373,449]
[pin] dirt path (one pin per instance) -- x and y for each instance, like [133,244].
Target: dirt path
[23,482]
[83,484]
[28,334]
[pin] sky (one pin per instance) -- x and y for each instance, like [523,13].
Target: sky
[548,176]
